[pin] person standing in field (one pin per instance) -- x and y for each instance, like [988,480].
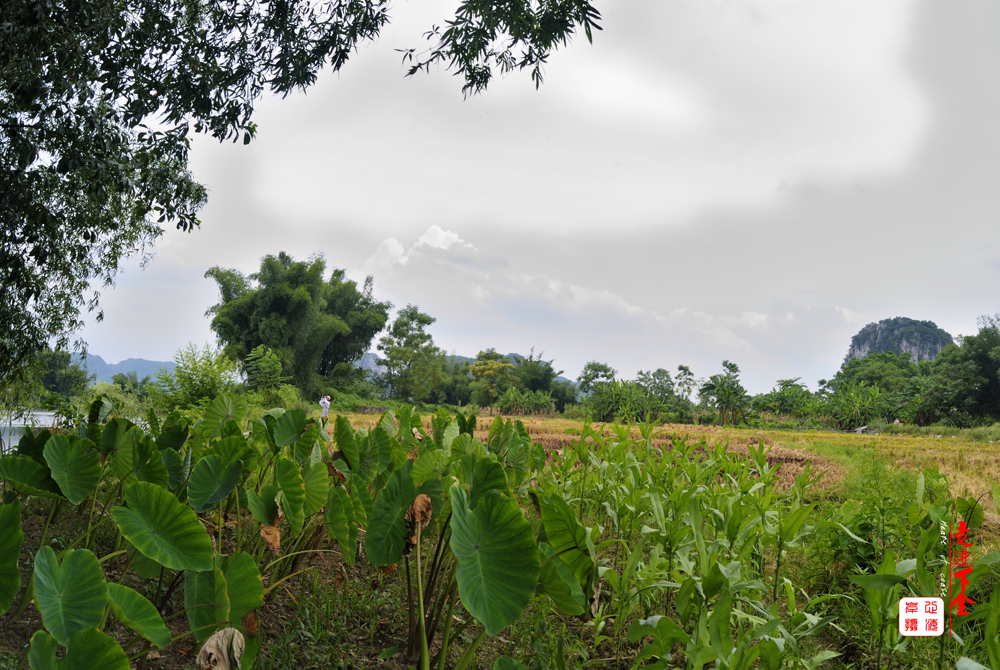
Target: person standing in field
[324,402]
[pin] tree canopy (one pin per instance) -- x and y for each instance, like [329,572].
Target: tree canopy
[317,328]
[410,357]
[86,182]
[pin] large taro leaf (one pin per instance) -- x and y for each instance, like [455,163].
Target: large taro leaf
[11,538]
[124,455]
[133,610]
[32,443]
[263,507]
[362,499]
[75,467]
[557,580]
[387,527]
[212,480]
[568,537]
[232,448]
[163,528]
[498,563]
[289,427]
[91,649]
[244,585]
[178,467]
[148,463]
[144,566]
[71,596]
[308,448]
[341,523]
[487,476]
[42,654]
[114,434]
[317,483]
[293,494]
[173,436]
[206,600]
[29,477]
[223,409]
[344,435]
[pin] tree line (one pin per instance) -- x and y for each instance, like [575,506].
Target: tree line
[295,330]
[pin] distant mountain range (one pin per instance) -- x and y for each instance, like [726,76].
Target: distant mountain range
[104,371]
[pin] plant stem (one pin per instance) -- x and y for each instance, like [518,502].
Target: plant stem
[471,651]
[447,631]
[425,659]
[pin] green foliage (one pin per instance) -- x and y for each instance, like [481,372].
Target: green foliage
[200,376]
[71,596]
[262,369]
[314,329]
[134,611]
[11,538]
[516,401]
[619,400]
[60,375]
[410,356]
[725,394]
[594,372]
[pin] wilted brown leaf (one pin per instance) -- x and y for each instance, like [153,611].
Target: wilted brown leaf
[222,651]
[420,511]
[249,622]
[340,576]
[272,536]
[335,472]
[387,569]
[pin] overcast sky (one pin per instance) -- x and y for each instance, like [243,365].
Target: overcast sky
[710,180]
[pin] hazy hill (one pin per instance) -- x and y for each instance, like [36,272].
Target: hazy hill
[922,339]
[95,365]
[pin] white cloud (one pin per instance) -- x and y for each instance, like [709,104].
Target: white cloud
[850,316]
[438,238]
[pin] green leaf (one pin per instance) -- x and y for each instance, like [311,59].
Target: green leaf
[995,490]
[206,600]
[429,465]
[29,477]
[263,507]
[293,494]
[223,409]
[344,436]
[506,662]
[11,538]
[212,480]
[163,528]
[289,427]
[568,537]
[966,663]
[178,467]
[71,596]
[90,649]
[42,655]
[148,462]
[232,448]
[556,578]
[387,527]
[877,582]
[172,437]
[244,586]
[362,499]
[134,611]
[317,485]
[498,563]
[144,566]
[75,467]
[665,634]
[114,435]
[718,624]
[341,524]
[488,476]
[971,511]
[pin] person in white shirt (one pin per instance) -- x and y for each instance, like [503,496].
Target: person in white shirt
[324,402]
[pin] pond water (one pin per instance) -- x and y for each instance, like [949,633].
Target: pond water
[11,432]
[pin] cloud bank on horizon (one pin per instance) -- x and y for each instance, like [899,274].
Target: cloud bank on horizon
[708,181]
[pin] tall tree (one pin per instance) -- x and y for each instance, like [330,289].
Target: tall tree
[594,372]
[657,383]
[410,357]
[726,394]
[306,321]
[85,184]
[535,374]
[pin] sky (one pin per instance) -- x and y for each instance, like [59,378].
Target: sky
[710,180]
